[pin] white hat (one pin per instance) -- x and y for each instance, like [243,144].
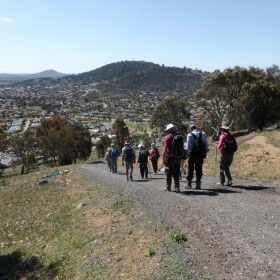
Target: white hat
[169,126]
[224,127]
[140,145]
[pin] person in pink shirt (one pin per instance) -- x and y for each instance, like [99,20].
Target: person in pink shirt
[226,158]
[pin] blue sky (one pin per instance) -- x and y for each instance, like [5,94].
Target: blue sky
[75,36]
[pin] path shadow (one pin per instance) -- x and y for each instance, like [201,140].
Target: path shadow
[198,192]
[251,187]
[222,190]
[97,162]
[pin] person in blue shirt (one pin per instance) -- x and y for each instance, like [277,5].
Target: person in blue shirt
[197,146]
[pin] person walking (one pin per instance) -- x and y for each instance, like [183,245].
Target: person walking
[171,161]
[128,159]
[226,157]
[142,160]
[197,146]
[113,155]
[154,156]
[107,158]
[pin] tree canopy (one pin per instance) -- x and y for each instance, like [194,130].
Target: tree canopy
[239,96]
[171,110]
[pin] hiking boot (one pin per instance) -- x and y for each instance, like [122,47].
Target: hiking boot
[220,184]
[177,190]
[229,183]
[198,185]
[168,189]
[127,178]
[131,179]
[189,185]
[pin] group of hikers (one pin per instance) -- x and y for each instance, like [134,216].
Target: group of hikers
[175,152]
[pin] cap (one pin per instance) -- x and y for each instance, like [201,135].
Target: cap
[192,127]
[169,126]
[126,142]
[140,145]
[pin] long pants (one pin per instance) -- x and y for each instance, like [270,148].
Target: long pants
[143,169]
[173,171]
[225,163]
[114,164]
[195,164]
[154,164]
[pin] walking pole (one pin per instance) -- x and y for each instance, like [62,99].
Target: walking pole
[215,166]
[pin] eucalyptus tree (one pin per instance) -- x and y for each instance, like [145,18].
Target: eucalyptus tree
[226,97]
[170,110]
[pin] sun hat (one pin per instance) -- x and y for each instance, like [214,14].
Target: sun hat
[224,127]
[126,142]
[169,126]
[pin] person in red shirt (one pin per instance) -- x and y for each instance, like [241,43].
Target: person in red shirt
[172,165]
[226,158]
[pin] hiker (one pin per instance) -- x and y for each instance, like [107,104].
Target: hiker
[107,158]
[113,155]
[226,157]
[142,160]
[197,146]
[154,156]
[128,159]
[171,161]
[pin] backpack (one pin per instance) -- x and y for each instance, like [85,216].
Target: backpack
[230,144]
[143,156]
[199,148]
[128,154]
[114,153]
[177,148]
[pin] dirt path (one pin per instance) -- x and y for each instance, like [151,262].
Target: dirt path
[234,232]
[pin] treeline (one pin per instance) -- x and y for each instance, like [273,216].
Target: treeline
[57,141]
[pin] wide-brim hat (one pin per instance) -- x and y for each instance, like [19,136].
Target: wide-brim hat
[169,126]
[224,127]
[126,142]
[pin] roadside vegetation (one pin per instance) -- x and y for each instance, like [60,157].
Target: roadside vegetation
[71,228]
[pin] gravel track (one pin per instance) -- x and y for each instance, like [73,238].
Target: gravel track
[234,232]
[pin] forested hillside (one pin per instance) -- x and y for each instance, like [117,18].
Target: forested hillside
[134,76]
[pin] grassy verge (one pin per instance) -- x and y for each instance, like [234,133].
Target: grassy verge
[71,228]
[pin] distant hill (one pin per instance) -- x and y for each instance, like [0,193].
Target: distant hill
[124,77]
[15,78]
[131,76]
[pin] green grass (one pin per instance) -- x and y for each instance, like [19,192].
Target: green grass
[75,229]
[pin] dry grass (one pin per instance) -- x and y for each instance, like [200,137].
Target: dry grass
[257,158]
[71,228]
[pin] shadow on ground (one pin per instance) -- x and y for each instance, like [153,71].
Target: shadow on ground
[251,187]
[16,266]
[96,162]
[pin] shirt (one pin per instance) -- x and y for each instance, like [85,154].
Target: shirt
[191,140]
[221,142]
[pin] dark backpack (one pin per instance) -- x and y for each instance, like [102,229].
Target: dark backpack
[128,154]
[177,148]
[143,156]
[114,153]
[199,147]
[230,144]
